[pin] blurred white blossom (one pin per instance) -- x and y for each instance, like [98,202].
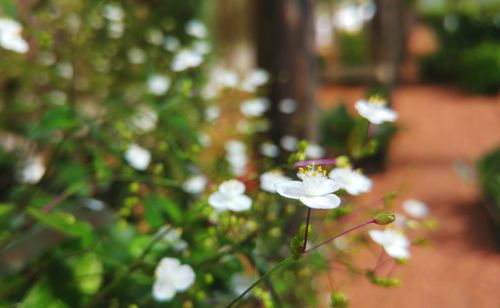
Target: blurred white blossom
[171,277]
[154,36]
[171,43]
[416,209]
[230,196]
[287,106]
[94,204]
[315,151]
[255,107]
[65,70]
[113,12]
[145,120]
[185,59]
[395,243]
[375,110]
[136,55]
[195,184]
[32,170]
[236,156]
[269,149]
[172,237]
[289,143]
[158,84]
[268,180]
[212,113]
[352,181]
[196,28]
[138,157]
[10,36]
[254,79]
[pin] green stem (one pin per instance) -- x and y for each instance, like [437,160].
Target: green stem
[304,247]
[282,264]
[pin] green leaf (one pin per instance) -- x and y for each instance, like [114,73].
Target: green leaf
[9,8]
[155,205]
[88,273]
[41,295]
[65,223]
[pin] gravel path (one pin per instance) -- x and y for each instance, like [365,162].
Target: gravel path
[443,133]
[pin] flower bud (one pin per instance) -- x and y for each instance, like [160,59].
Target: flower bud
[384,218]
[342,161]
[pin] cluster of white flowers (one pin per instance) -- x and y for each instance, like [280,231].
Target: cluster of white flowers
[236,156]
[171,277]
[230,196]
[254,79]
[185,59]
[138,157]
[375,110]
[10,36]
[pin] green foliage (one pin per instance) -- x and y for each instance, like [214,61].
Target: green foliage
[382,281]
[468,38]
[489,176]
[348,136]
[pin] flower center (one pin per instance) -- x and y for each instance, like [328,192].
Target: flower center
[377,100]
[312,179]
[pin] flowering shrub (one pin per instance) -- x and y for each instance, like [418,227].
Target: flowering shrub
[125,187]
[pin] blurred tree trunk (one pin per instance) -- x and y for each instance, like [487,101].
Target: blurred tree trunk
[285,48]
[388,41]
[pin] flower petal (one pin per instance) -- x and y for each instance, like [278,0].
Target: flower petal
[240,203]
[377,236]
[290,189]
[218,201]
[327,187]
[163,291]
[397,251]
[330,201]
[183,277]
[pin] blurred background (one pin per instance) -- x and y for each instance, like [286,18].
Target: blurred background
[78,70]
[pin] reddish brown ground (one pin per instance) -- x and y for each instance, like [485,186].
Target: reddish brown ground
[442,128]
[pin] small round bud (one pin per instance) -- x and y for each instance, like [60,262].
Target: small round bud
[342,161]
[384,218]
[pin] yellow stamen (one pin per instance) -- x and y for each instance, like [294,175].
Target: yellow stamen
[376,99]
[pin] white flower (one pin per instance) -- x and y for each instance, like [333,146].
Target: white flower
[395,243]
[236,156]
[230,196]
[136,55]
[185,59]
[314,151]
[171,43]
[254,79]
[289,143]
[94,204]
[204,139]
[287,106]
[65,70]
[225,78]
[415,208]
[354,182]
[315,190]
[241,282]
[32,170]
[158,84]
[138,157]
[113,12]
[269,149]
[115,29]
[145,120]
[201,47]
[254,107]
[154,36]
[171,277]
[173,237]
[196,28]
[195,185]
[375,110]
[212,113]
[10,36]
[268,180]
